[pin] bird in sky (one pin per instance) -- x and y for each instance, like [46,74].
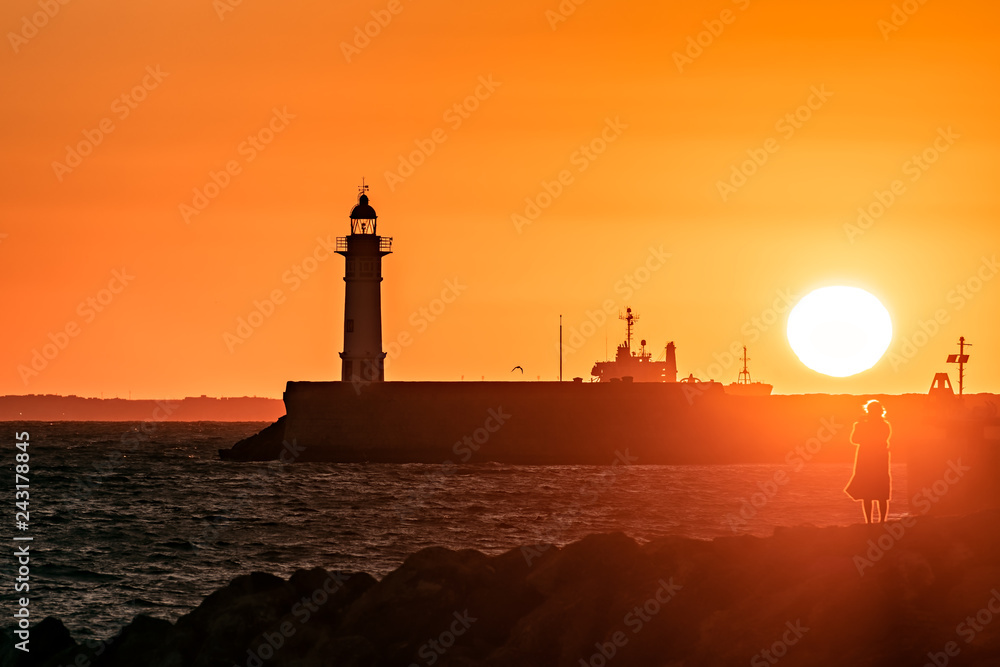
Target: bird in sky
[516,368]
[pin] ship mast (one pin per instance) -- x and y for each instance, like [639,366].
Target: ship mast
[629,321]
[744,376]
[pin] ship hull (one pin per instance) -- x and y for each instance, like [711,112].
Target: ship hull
[749,389]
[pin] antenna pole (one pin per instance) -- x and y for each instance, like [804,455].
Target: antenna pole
[560,348]
[961,364]
[961,359]
[629,320]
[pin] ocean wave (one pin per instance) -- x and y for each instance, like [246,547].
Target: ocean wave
[72,573]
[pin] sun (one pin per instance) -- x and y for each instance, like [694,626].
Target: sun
[839,331]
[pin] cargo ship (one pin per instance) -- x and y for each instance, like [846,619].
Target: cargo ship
[632,367]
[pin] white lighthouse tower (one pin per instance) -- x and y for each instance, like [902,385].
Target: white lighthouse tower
[363,358]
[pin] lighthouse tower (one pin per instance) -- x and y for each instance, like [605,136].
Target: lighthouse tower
[363,359]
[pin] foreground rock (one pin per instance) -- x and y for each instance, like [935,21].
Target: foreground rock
[926,591]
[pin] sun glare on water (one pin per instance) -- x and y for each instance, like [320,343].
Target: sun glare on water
[839,331]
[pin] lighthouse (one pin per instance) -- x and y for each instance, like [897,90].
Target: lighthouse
[363,359]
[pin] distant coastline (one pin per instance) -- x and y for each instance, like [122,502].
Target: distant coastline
[51,407]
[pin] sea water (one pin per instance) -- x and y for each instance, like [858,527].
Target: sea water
[126,522]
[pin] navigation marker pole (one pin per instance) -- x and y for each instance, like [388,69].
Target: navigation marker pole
[961,359]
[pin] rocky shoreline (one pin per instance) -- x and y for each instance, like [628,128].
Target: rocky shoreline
[925,590]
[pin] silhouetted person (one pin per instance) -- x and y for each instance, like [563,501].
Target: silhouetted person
[871,482]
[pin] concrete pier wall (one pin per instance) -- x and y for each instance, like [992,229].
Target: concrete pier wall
[553,423]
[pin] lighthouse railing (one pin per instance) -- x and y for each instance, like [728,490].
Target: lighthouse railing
[384,243]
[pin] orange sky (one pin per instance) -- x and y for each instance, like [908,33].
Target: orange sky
[199,78]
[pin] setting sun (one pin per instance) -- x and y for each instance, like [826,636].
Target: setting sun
[839,331]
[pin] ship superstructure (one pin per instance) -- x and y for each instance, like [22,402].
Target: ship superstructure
[637,367]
